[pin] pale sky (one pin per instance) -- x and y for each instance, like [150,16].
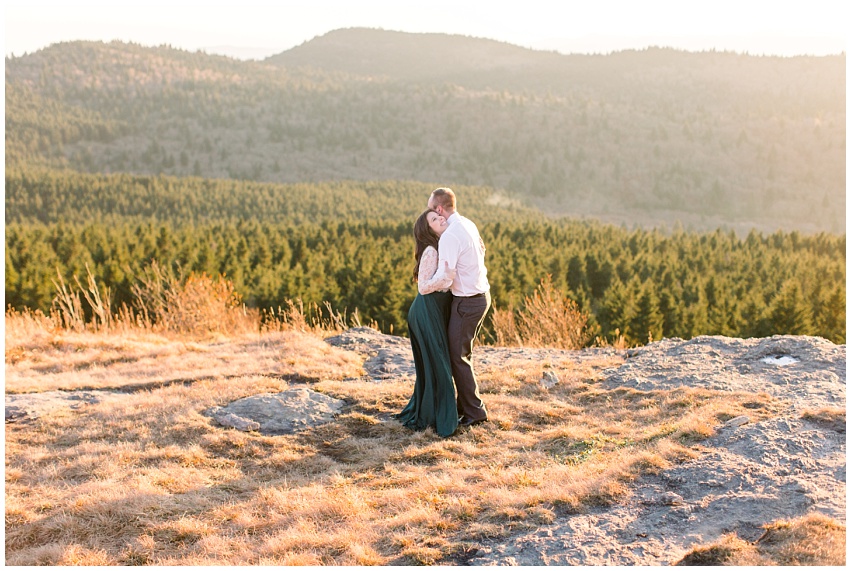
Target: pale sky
[258,28]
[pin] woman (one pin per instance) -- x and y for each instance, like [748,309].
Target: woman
[433,403]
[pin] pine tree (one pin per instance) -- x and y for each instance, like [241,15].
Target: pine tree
[671,314]
[724,317]
[830,320]
[13,297]
[788,313]
[617,310]
[648,322]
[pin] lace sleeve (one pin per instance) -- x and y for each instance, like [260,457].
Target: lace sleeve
[429,279]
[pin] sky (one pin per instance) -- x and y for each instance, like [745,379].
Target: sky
[254,29]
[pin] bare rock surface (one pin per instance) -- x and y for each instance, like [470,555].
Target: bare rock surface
[32,405]
[389,357]
[750,474]
[806,371]
[269,413]
[278,413]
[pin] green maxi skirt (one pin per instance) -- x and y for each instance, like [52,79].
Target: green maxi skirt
[433,402]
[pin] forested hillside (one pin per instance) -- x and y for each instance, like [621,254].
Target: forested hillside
[649,137]
[350,244]
[299,177]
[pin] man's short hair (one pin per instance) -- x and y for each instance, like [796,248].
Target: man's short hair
[444,197]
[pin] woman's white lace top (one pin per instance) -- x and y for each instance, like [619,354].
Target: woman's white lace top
[429,279]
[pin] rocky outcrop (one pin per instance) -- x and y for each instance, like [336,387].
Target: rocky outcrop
[389,357]
[31,405]
[751,474]
[279,413]
[806,372]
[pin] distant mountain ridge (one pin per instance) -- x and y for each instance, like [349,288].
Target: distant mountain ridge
[646,137]
[421,57]
[403,55]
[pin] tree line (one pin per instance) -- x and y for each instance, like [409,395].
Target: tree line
[36,194]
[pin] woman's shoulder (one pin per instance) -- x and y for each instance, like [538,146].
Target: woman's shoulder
[429,249]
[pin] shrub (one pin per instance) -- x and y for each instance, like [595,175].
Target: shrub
[548,319]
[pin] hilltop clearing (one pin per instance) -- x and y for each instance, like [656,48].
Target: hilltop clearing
[594,457]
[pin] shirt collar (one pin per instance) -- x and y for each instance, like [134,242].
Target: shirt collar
[453,218]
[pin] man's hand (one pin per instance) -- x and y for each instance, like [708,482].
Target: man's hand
[449,272]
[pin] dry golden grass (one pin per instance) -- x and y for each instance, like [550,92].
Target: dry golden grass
[832,418]
[548,318]
[146,478]
[814,539]
[39,360]
[195,306]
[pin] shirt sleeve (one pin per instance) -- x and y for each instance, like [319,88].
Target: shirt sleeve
[430,279]
[450,247]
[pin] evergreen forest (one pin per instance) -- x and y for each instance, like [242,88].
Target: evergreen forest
[350,244]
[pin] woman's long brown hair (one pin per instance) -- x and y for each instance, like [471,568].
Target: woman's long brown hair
[424,237]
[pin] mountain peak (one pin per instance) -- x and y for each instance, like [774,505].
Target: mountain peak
[375,52]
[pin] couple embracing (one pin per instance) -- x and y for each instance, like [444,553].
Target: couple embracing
[445,318]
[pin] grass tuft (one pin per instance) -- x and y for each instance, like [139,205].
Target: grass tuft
[548,318]
[813,539]
[832,418]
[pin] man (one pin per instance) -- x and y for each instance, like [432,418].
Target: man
[462,248]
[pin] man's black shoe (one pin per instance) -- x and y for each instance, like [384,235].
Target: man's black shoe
[470,422]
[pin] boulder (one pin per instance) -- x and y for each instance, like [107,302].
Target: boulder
[286,412]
